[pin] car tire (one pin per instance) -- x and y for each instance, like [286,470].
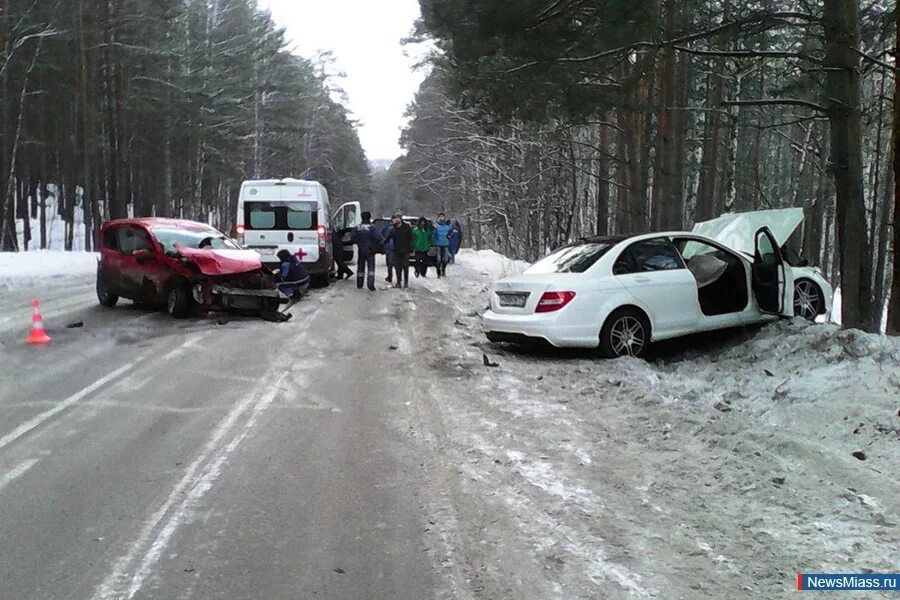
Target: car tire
[626,332]
[809,301]
[178,301]
[320,281]
[104,296]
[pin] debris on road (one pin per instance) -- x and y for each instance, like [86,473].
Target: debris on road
[488,362]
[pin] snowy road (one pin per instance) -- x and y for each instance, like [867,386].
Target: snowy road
[364,451]
[143,457]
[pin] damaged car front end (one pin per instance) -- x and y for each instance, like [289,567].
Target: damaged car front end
[182,266]
[230,280]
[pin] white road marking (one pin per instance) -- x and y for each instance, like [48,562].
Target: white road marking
[17,472]
[192,486]
[132,569]
[190,343]
[40,418]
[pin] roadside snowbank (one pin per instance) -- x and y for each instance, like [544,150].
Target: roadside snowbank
[25,268]
[490,264]
[718,470]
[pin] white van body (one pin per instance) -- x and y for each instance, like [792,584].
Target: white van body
[288,214]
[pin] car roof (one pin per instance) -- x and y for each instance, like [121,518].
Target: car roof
[616,239]
[604,239]
[149,222]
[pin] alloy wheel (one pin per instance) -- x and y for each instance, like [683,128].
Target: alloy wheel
[627,336]
[807,300]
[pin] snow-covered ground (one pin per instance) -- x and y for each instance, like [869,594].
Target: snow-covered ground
[720,469]
[19,269]
[55,226]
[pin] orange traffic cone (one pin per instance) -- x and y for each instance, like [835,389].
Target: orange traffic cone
[38,335]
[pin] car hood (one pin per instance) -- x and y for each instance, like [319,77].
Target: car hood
[738,230]
[222,262]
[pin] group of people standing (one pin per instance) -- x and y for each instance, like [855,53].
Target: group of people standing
[402,244]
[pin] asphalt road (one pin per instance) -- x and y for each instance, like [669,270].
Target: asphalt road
[143,457]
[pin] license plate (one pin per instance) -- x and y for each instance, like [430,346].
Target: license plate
[512,300]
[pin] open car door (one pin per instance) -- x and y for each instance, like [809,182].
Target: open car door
[347,216]
[772,285]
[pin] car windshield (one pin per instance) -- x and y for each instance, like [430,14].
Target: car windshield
[576,258]
[210,239]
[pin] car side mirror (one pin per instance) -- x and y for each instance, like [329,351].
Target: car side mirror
[142,255]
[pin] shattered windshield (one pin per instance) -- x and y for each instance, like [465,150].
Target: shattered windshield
[192,238]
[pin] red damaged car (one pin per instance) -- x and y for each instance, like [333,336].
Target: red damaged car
[180,265]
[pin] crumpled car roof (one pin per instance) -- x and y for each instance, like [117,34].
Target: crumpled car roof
[222,262]
[738,230]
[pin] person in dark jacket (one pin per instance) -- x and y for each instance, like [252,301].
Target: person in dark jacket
[368,242]
[337,248]
[401,236]
[388,244]
[292,279]
[422,237]
[455,241]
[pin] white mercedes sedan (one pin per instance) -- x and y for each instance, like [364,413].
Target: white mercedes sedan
[619,294]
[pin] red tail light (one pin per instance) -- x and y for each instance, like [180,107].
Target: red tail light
[553,301]
[323,238]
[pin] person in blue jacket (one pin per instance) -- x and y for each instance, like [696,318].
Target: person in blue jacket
[443,232]
[455,241]
[292,278]
[368,241]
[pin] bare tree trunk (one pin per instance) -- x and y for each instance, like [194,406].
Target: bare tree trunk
[602,181]
[663,192]
[675,206]
[622,224]
[707,189]
[841,22]
[6,204]
[884,218]
[893,324]
[9,241]
[815,227]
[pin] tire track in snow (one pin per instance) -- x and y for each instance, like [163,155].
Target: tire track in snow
[131,571]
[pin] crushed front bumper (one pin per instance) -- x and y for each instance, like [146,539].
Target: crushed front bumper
[217,296]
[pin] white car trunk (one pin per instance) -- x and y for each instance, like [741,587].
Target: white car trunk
[518,295]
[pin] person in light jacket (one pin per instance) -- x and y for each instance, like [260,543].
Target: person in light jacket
[443,232]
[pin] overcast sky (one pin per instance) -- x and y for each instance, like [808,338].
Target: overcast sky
[364,36]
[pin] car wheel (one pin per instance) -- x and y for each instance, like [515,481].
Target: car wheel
[321,281]
[105,297]
[809,301]
[626,332]
[178,302]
